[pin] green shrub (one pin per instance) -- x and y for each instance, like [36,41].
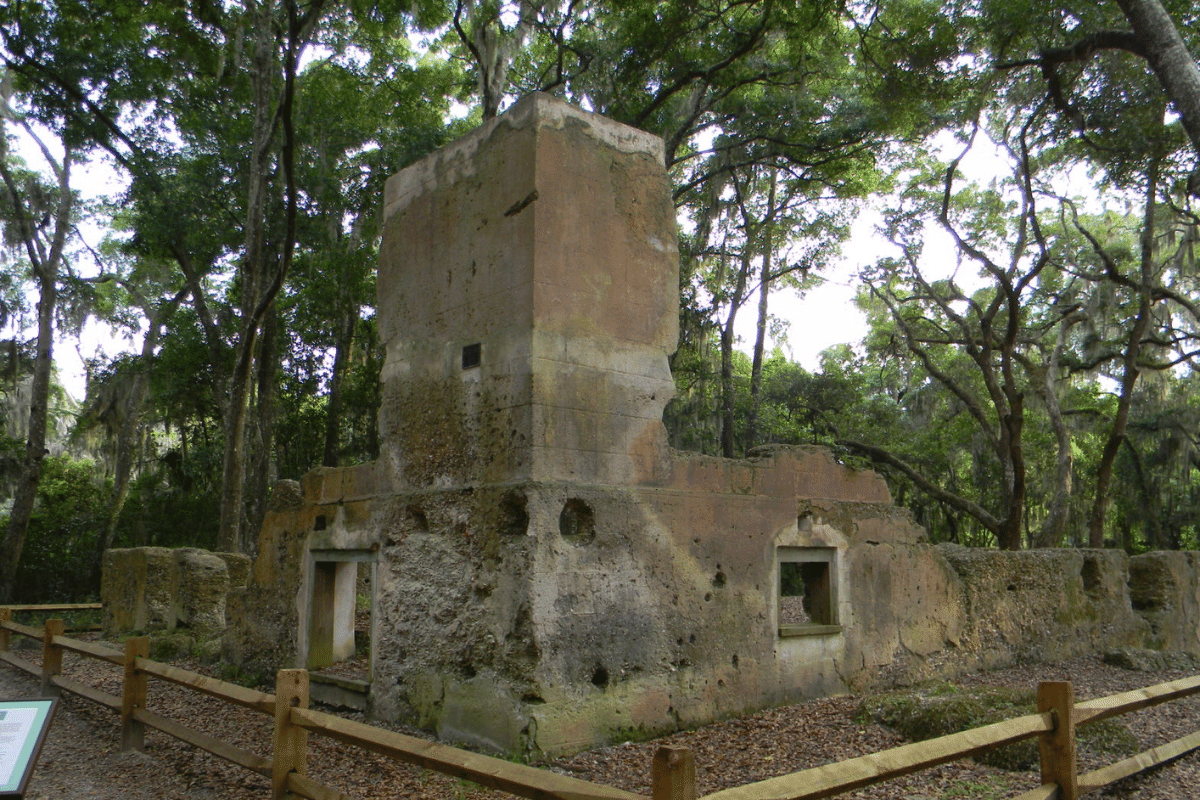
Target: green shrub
[59,554]
[172,646]
[939,709]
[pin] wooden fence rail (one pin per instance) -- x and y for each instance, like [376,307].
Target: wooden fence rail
[57,608]
[673,769]
[54,607]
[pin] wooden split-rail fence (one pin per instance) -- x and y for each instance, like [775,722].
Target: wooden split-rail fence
[673,770]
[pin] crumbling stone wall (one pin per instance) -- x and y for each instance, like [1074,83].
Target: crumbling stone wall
[265,612]
[497,623]
[157,589]
[548,574]
[1165,592]
[1043,605]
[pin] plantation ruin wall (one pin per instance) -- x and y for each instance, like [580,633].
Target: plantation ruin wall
[545,573]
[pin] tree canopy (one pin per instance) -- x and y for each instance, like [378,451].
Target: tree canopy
[1027,384]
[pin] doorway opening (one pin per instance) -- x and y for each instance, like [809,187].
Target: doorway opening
[339,618]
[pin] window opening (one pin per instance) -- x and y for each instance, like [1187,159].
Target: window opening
[577,522]
[807,591]
[472,355]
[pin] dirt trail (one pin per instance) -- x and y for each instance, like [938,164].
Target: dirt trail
[82,757]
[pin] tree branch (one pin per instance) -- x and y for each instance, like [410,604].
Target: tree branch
[881,456]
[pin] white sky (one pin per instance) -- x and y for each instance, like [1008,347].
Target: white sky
[826,315]
[817,319]
[93,181]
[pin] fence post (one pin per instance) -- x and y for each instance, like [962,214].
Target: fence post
[52,656]
[133,693]
[1057,747]
[673,774]
[290,752]
[5,616]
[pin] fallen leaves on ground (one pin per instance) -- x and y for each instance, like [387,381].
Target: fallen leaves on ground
[84,753]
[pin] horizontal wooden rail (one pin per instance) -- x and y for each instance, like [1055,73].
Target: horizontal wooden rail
[222,690]
[1118,704]
[218,747]
[25,630]
[1046,792]
[88,692]
[493,773]
[834,779]
[21,664]
[96,651]
[1153,757]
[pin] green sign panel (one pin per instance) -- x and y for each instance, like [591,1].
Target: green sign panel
[23,726]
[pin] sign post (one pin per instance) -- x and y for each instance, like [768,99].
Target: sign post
[23,727]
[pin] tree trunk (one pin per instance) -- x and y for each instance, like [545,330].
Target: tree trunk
[1009,536]
[760,331]
[756,364]
[341,362]
[1116,431]
[261,284]
[1131,370]
[35,446]
[764,228]
[1173,65]
[46,262]
[728,448]
[233,470]
[1054,528]
[233,466]
[129,430]
[1151,512]
[263,455]
[127,442]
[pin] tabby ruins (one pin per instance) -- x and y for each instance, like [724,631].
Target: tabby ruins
[543,572]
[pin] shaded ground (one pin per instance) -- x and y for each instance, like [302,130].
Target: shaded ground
[82,758]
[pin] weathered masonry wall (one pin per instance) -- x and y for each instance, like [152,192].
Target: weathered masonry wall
[908,611]
[547,574]
[160,589]
[497,623]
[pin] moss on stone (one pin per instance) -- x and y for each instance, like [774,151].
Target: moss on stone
[171,646]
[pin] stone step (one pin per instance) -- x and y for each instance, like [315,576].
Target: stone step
[334,690]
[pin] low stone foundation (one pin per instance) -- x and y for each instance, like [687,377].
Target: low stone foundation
[157,589]
[622,639]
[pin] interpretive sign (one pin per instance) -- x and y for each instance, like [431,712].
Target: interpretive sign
[23,726]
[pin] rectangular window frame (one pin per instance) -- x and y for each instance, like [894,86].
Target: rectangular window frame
[823,561]
[472,356]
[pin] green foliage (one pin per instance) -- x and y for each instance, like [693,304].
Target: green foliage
[236,673]
[791,580]
[175,505]
[172,647]
[56,564]
[73,620]
[940,709]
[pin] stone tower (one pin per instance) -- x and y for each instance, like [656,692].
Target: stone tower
[529,283]
[546,573]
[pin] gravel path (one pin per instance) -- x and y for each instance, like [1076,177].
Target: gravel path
[82,758]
